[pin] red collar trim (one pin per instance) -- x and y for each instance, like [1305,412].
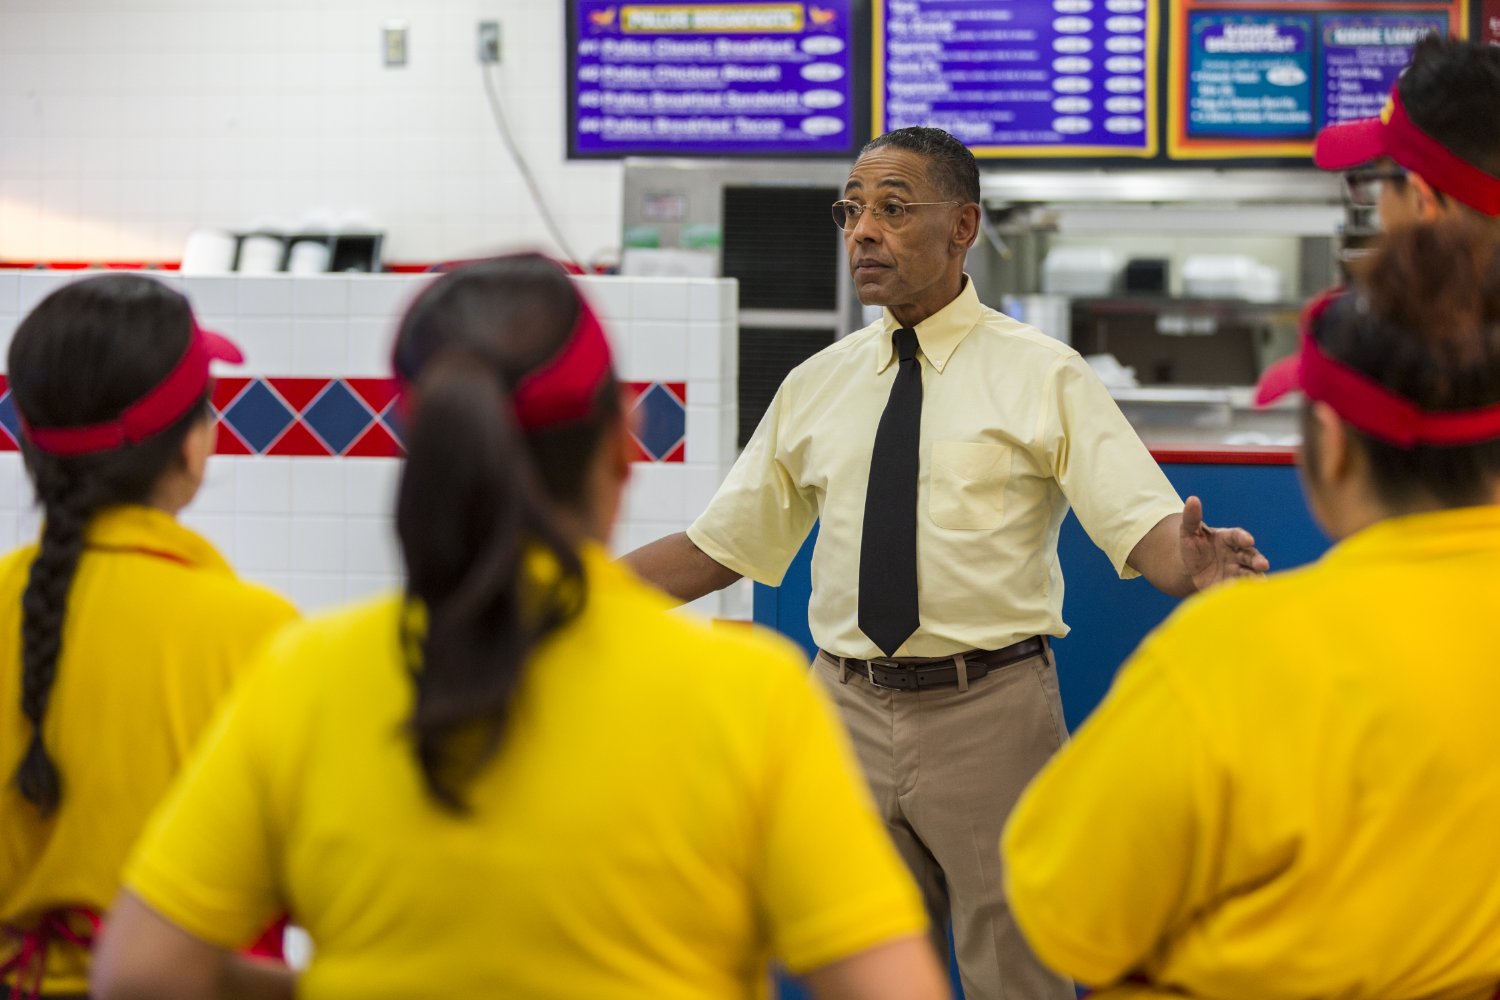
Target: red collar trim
[143,550]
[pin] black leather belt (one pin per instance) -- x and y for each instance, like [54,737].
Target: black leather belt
[919,675]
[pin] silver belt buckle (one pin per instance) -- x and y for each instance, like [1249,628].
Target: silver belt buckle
[886,664]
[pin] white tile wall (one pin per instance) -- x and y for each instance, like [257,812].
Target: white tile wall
[658,350]
[369,347]
[127,124]
[320,529]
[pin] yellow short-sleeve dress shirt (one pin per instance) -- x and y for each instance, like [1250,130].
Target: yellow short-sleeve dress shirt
[1015,429]
[671,806]
[157,629]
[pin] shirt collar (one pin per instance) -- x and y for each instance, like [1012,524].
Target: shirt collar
[155,533]
[601,571]
[1458,530]
[939,335]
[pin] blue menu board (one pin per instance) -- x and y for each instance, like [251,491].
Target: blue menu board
[1250,75]
[710,79]
[1362,56]
[1037,78]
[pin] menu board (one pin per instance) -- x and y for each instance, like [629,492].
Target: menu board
[710,79]
[1033,78]
[1260,80]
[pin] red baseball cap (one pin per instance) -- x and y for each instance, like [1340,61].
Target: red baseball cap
[1393,134]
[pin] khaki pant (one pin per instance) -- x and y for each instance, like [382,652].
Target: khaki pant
[946,767]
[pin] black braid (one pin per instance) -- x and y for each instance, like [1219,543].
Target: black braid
[67,508]
[84,354]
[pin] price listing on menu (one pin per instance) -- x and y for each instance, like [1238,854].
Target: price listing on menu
[711,78]
[1362,56]
[1020,77]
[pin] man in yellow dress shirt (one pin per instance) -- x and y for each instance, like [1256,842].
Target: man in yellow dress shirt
[953,710]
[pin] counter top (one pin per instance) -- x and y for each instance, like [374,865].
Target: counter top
[1206,418]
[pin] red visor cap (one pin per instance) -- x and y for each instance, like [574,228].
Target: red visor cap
[1393,134]
[158,409]
[1364,403]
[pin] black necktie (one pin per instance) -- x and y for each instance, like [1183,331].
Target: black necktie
[888,544]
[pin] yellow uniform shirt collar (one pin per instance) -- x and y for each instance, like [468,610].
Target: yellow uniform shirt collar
[597,564]
[599,570]
[152,532]
[1459,530]
[938,335]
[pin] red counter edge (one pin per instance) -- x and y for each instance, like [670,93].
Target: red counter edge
[1167,455]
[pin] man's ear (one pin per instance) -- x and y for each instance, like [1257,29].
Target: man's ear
[965,229]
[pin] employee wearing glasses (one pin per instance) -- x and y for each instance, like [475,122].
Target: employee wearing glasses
[1435,149]
[940,448]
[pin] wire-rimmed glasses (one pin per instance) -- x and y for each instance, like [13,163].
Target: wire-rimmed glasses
[890,214]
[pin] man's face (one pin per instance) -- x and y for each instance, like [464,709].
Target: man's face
[912,268]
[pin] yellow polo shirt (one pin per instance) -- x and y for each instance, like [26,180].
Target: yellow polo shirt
[672,805]
[157,628]
[1292,789]
[1015,428]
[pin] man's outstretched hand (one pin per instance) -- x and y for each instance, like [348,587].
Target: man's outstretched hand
[1211,555]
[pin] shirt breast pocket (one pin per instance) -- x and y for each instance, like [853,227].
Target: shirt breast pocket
[966,489]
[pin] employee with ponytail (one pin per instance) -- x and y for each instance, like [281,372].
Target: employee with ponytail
[523,777]
[121,628]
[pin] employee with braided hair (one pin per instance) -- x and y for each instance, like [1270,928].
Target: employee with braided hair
[523,777]
[121,629]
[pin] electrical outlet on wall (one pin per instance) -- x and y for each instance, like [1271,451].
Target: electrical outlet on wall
[489,41]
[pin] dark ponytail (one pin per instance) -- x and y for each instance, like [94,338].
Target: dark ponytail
[488,566]
[85,353]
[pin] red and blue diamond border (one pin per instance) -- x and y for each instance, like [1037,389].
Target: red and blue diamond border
[359,418]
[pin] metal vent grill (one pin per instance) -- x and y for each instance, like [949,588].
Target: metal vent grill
[766,355]
[782,245]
